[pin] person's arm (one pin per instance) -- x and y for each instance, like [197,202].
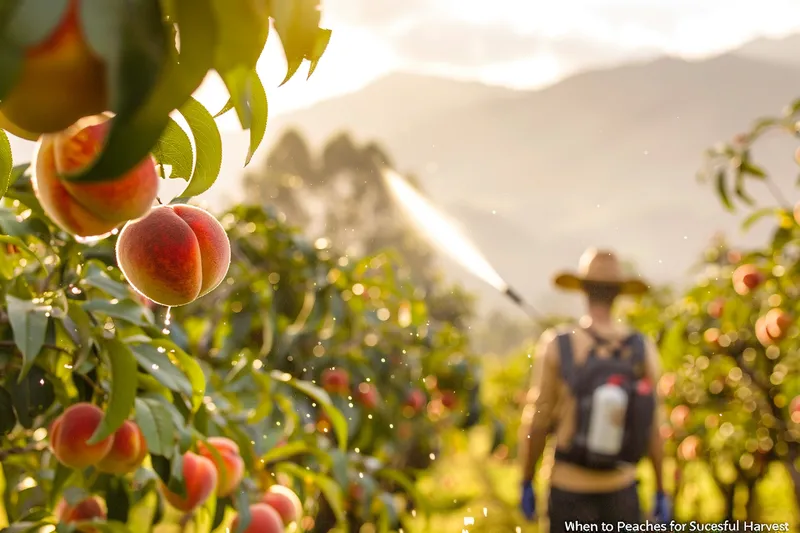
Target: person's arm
[537,417]
[656,452]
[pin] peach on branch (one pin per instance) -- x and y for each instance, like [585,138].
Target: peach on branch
[61,80]
[263,519]
[777,323]
[285,502]
[231,469]
[200,479]
[336,380]
[127,452]
[175,254]
[90,508]
[89,209]
[746,278]
[70,433]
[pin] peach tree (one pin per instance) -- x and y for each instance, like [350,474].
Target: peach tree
[160,365]
[730,343]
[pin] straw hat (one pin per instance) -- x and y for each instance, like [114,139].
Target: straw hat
[600,267]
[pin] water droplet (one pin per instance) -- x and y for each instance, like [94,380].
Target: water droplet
[154,366]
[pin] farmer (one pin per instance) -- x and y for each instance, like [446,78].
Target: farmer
[593,390]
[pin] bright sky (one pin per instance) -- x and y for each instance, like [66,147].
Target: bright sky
[518,43]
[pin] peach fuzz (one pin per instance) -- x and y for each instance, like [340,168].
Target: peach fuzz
[61,80]
[127,452]
[263,519]
[200,478]
[174,255]
[285,502]
[70,432]
[231,471]
[87,509]
[89,210]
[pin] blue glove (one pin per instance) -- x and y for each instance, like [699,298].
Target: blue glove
[663,508]
[528,503]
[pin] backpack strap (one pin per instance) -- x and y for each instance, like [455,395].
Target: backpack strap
[638,351]
[566,359]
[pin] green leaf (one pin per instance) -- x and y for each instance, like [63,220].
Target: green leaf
[157,426]
[29,325]
[33,394]
[6,163]
[159,365]
[400,478]
[33,21]
[133,137]
[259,110]
[8,419]
[297,24]
[20,244]
[312,391]
[758,215]
[320,45]
[131,39]
[292,449]
[123,389]
[175,149]
[191,369]
[243,31]
[722,191]
[127,310]
[99,279]
[227,107]
[208,147]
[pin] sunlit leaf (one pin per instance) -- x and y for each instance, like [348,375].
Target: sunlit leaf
[123,387]
[29,324]
[208,143]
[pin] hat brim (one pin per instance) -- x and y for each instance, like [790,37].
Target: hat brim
[573,282]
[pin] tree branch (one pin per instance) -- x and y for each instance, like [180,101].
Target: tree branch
[20,450]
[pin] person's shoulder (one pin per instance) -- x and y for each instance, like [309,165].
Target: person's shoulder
[551,335]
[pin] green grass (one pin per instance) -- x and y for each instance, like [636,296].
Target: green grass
[489,487]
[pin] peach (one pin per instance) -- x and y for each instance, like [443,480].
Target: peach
[449,399]
[711,336]
[61,80]
[285,501]
[128,451]
[174,255]
[200,478]
[13,129]
[336,381]
[263,519]
[70,432]
[689,448]
[666,384]
[679,416]
[89,210]
[762,334]
[746,278]
[716,308]
[415,400]
[231,471]
[777,322]
[367,395]
[87,509]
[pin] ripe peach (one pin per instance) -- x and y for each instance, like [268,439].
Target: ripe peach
[679,416]
[87,509]
[336,381]
[449,399]
[716,308]
[231,471]
[762,334]
[15,130]
[777,322]
[416,400]
[746,278]
[263,519]
[367,395]
[61,80]
[794,410]
[200,477]
[128,451]
[70,432]
[666,385]
[689,448]
[711,336]
[89,209]
[285,501]
[174,255]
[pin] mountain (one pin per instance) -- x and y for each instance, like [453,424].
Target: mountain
[607,157]
[782,50]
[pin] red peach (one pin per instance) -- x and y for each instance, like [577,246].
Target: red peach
[449,399]
[89,210]
[285,501]
[200,477]
[128,451]
[231,471]
[70,432]
[263,519]
[416,400]
[336,380]
[746,278]
[777,322]
[175,254]
[679,416]
[88,509]
[367,395]
[61,80]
